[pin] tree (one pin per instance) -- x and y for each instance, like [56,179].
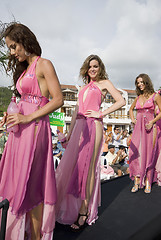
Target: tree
[5,93]
[5,98]
[3,51]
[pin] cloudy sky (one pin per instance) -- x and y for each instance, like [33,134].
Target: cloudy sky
[126,34]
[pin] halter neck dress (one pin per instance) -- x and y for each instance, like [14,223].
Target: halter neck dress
[158,154]
[72,171]
[27,175]
[142,153]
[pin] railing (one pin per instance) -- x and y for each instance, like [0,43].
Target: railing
[4,205]
[119,116]
[70,98]
[110,116]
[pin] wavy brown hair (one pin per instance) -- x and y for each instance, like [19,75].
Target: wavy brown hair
[21,34]
[149,89]
[84,69]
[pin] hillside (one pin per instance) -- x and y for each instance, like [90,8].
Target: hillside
[5,98]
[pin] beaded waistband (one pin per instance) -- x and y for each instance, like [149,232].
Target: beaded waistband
[30,98]
[82,116]
[145,110]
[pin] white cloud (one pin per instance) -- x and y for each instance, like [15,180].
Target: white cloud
[125,34]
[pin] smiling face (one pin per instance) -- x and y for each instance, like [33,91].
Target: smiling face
[16,49]
[93,69]
[140,84]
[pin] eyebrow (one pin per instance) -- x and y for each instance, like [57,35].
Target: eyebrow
[12,45]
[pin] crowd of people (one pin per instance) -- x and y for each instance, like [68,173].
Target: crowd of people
[115,156]
[3,140]
[41,191]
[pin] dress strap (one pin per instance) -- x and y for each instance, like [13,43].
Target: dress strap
[33,64]
[154,96]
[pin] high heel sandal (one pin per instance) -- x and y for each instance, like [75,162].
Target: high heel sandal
[76,223]
[135,188]
[147,188]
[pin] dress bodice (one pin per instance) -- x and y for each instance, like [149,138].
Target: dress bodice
[90,98]
[29,89]
[29,82]
[149,104]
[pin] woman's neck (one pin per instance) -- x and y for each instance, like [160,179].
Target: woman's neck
[31,59]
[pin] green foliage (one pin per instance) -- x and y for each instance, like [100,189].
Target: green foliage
[5,98]
[3,51]
[3,63]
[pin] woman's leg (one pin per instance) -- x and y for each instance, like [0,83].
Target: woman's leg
[36,214]
[91,176]
[150,172]
[36,221]
[135,188]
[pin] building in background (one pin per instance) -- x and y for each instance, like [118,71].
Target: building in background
[118,118]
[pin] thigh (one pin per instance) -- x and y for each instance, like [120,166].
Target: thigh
[98,138]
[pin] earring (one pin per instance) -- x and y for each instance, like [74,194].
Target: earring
[27,53]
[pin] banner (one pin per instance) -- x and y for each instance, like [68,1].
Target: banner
[57,119]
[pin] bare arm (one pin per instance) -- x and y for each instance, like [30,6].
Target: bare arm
[116,158]
[120,102]
[58,154]
[119,136]
[51,86]
[131,111]
[157,100]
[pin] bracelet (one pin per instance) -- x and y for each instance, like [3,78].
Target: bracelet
[101,115]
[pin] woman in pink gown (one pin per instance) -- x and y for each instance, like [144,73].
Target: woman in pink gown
[158,164]
[78,173]
[143,147]
[27,177]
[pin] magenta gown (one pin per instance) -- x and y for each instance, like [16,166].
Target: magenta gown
[27,176]
[158,164]
[142,153]
[72,171]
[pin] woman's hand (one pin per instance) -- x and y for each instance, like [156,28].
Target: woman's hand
[3,120]
[133,121]
[149,125]
[17,118]
[68,137]
[91,113]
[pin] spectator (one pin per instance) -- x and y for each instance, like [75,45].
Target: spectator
[116,137]
[106,171]
[57,153]
[113,160]
[3,140]
[124,137]
[124,158]
[129,138]
[107,138]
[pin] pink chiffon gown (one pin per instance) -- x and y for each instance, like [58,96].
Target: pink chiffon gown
[27,176]
[142,152]
[158,164]
[72,171]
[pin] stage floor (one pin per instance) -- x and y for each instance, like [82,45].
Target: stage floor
[123,215]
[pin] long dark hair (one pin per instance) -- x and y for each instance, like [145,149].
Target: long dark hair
[19,33]
[149,89]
